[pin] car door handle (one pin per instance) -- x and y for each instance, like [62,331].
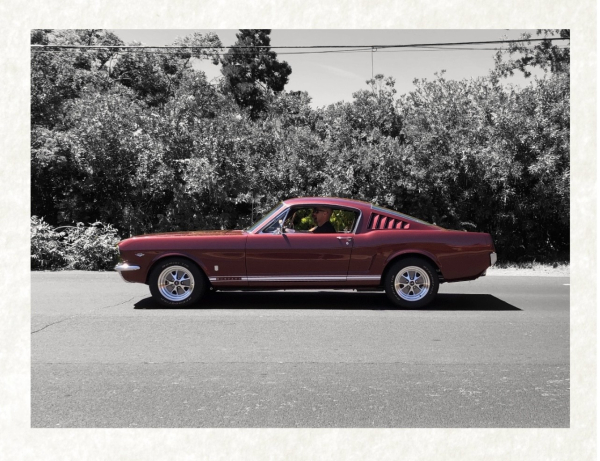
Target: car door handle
[344,238]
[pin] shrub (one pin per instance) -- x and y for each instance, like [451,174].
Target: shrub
[79,247]
[91,248]
[47,251]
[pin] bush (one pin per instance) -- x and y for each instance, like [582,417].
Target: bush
[74,247]
[47,250]
[91,248]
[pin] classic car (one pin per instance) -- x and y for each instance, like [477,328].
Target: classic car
[368,247]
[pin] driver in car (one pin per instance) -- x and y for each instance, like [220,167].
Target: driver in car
[321,215]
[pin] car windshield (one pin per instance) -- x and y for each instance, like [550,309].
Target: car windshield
[266,216]
[400,215]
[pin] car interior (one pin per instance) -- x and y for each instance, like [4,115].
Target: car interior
[300,219]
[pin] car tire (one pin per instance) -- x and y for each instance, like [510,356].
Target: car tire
[177,282]
[411,283]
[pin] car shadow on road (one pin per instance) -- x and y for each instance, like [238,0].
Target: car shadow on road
[331,300]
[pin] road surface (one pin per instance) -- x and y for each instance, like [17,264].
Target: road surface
[488,353]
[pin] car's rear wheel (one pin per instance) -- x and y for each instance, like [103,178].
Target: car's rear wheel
[177,282]
[411,283]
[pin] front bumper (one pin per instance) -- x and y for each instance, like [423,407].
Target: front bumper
[124,267]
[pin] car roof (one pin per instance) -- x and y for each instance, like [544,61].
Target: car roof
[364,207]
[335,201]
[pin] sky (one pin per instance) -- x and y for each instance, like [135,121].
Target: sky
[333,77]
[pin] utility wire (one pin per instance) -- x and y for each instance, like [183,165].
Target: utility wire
[361,50]
[211,54]
[413,45]
[355,50]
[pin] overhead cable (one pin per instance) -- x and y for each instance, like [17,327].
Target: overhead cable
[169,47]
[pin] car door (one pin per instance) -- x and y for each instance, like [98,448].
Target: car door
[297,258]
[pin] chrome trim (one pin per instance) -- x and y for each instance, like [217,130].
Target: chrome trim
[125,267]
[363,277]
[360,214]
[294,278]
[232,278]
[493,258]
[283,278]
[311,278]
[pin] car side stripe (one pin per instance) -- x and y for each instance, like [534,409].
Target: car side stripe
[299,278]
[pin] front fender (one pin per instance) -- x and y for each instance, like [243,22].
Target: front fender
[173,254]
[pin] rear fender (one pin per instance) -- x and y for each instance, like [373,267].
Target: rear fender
[412,252]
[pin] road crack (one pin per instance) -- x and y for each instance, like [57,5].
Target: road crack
[53,323]
[82,315]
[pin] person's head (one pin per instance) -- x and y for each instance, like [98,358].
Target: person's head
[321,214]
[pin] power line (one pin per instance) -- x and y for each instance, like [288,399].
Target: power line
[215,54]
[355,50]
[169,47]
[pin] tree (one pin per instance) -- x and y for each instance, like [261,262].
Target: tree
[144,142]
[373,112]
[492,158]
[548,55]
[292,109]
[105,165]
[156,76]
[59,75]
[252,74]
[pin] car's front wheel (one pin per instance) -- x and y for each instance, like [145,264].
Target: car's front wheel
[411,283]
[177,282]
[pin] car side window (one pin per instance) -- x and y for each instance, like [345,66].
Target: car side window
[302,220]
[299,219]
[343,220]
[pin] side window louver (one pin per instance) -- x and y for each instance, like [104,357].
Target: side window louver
[379,221]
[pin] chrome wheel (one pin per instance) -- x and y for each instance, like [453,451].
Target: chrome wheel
[412,283]
[176,283]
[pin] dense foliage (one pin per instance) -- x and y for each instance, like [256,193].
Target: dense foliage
[73,247]
[144,143]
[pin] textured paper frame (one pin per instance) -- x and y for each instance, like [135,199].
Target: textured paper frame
[19,442]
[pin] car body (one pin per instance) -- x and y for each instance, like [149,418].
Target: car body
[373,248]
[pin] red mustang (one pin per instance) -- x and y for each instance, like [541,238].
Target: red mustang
[310,243]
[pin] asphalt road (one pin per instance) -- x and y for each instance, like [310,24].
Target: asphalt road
[489,353]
